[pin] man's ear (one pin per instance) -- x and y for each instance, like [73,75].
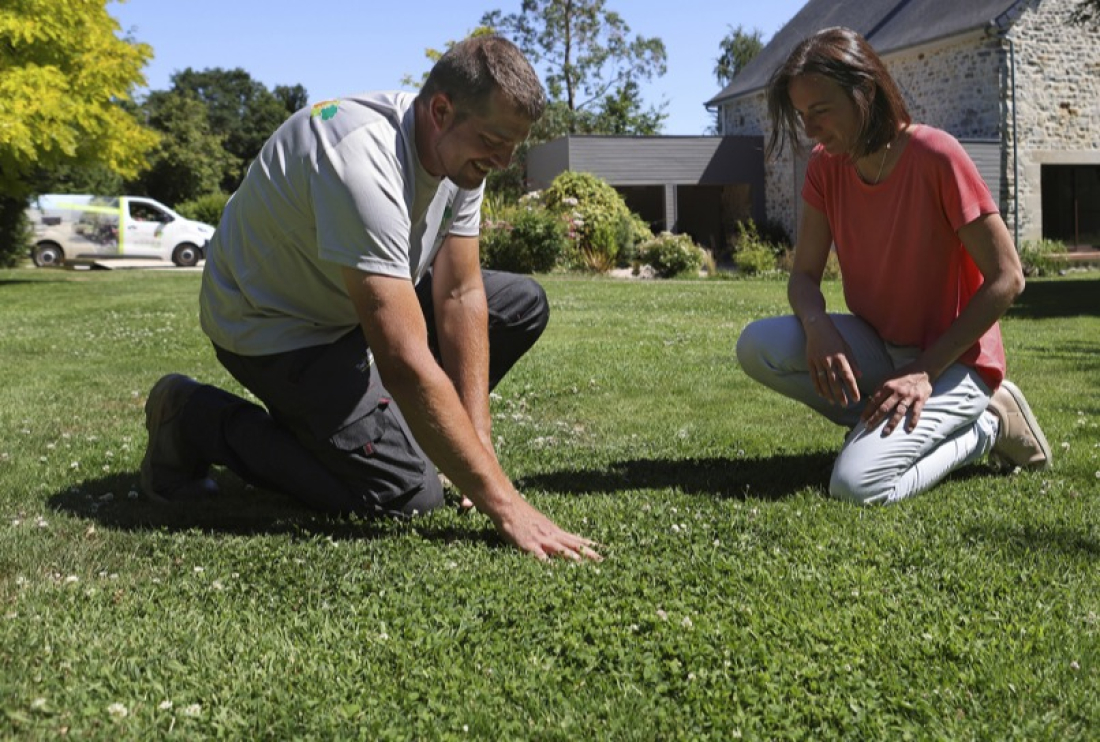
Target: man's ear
[442,110]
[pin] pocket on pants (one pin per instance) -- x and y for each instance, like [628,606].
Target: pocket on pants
[379,446]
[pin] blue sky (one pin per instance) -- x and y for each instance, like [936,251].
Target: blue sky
[337,47]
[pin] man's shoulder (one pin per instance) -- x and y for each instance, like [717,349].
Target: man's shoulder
[354,111]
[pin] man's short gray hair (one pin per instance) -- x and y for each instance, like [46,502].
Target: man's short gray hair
[471,69]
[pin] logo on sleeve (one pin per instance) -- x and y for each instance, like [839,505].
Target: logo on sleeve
[326,109]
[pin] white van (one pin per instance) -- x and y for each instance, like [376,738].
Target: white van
[76,228]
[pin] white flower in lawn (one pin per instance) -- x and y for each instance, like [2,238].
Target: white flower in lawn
[165,706]
[217,585]
[71,579]
[193,710]
[1074,666]
[199,570]
[74,465]
[118,710]
[687,622]
[661,614]
[38,703]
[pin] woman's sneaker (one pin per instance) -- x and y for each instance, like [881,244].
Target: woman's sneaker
[172,471]
[1020,441]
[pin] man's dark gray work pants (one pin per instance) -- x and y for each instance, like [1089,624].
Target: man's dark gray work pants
[331,436]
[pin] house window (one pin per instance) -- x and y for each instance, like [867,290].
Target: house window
[1071,205]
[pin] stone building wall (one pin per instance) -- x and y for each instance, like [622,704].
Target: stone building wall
[1057,100]
[964,86]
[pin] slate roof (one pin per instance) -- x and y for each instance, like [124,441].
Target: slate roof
[889,25]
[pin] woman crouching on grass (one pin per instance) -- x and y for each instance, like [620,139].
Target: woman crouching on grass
[916,371]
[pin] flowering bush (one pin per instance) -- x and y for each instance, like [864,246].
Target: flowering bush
[523,239]
[603,230]
[671,254]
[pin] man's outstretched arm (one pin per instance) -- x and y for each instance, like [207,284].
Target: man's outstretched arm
[390,315]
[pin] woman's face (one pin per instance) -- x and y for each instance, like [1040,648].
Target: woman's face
[828,115]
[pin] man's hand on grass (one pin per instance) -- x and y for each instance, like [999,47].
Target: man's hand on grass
[533,533]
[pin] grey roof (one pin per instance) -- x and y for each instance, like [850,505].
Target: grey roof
[888,25]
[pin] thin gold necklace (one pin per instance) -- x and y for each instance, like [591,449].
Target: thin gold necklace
[882,164]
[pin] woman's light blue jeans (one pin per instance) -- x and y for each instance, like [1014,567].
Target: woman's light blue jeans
[954,429]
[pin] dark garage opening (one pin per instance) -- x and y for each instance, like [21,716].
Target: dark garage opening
[1071,205]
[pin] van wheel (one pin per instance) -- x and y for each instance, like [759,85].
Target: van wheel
[48,254]
[186,255]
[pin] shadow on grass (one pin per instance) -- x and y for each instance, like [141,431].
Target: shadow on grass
[770,478]
[1050,299]
[766,478]
[112,502]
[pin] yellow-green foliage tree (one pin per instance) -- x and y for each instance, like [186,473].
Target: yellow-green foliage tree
[64,71]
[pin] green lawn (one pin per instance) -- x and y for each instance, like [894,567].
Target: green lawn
[736,600]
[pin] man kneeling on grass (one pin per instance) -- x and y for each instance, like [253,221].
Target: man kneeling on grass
[343,288]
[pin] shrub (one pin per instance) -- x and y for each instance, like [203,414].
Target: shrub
[15,234]
[1036,257]
[785,263]
[207,209]
[751,254]
[604,231]
[671,254]
[754,260]
[523,240]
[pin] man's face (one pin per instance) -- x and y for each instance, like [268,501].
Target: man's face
[467,147]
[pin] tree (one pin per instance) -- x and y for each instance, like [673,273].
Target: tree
[63,73]
[433,56]
[241,108]
[589,59]
[620,112]
[293,97]
[738,49]
[191,160]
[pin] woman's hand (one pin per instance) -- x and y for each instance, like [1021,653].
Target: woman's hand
[832,365]
[901,397]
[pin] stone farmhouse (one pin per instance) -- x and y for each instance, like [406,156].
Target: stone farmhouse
[1013,80]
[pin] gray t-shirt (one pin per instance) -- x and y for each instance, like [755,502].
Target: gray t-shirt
[338,184]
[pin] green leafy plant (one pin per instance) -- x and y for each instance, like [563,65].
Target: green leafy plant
[751,254]
[1037,257]
[671,254]
[603,229]
[523,239]
[206,208]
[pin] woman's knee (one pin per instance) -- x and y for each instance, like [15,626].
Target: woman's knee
[765,346]
[859,484]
